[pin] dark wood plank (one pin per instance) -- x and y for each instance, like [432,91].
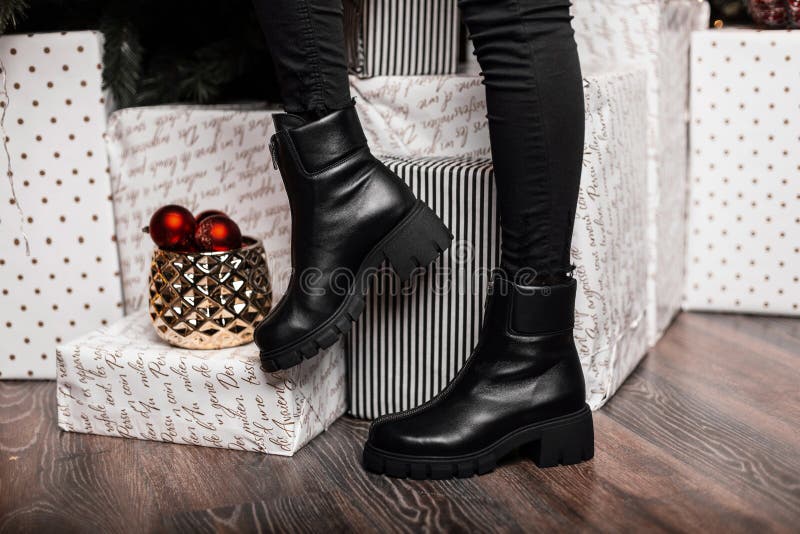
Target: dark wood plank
[61,481]
[716,364]
[702,437]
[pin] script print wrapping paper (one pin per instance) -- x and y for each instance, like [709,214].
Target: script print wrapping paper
[656,35]
[409,345]
[123,381]
[202,158]
[428,116]
[744,204]
[445,116]
[54,118]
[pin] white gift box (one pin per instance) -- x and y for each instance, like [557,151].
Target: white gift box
[410,343]
[123,381]
[428,116]
[402,37]
[743,251]
[654,34]
[54,121]
[201,158]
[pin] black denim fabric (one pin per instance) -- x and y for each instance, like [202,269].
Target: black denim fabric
[306,42]
[534,95]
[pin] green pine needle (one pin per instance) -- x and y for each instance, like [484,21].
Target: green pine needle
[10,12]
[122,57]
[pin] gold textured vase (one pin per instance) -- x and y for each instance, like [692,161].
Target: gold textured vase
[209,300]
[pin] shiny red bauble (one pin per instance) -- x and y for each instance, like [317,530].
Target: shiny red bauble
[775,13]
[172,228]
[217,233]
[206,214]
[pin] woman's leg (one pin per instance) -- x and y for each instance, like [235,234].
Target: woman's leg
[306,41]
[523,385]
[534,97]
[349,211]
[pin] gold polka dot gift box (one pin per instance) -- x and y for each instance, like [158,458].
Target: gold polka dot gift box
[744,200]
[55,200]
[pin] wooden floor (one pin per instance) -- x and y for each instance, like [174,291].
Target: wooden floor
[702,437]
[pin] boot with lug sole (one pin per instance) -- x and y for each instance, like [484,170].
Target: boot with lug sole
[349,214]
[521,389]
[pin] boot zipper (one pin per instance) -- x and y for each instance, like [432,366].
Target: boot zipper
[439,396]
[273,150]
[446,391]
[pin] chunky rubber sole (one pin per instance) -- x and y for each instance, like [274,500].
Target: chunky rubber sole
[417,240]
[564,440]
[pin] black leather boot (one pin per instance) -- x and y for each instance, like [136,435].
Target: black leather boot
[522,388]
[349,214]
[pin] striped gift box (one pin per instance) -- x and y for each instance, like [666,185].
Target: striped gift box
[402,37]
[412,340]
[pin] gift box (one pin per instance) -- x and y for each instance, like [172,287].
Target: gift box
[428,116]
[58,259]
[743,251]
[412,340]
[402,37]
[201,158]
[654,34]
[123,381]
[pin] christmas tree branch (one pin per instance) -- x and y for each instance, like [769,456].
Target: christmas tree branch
[10,12]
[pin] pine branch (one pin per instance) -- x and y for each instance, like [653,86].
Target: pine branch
[10,12]
[204,76]
[122,56]
[159,81]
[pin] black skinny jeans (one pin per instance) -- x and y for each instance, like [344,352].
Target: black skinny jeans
[534,97]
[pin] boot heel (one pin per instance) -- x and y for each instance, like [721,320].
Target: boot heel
[420,240]
[569,442]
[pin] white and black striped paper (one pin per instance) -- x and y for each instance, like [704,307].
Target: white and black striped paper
[403,37]
[411,341]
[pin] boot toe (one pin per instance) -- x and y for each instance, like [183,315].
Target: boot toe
[406,435]
[279,330]
[391,437]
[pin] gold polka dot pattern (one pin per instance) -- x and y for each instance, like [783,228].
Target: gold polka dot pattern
[744,200]
[58,162]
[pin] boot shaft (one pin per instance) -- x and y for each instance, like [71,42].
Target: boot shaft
[342,199]
[528,333]
[307,148]
[536,310]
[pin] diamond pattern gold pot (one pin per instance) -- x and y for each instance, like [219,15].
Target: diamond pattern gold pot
[209,300]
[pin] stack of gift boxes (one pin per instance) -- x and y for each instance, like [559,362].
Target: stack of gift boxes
[428,122]
[396,361]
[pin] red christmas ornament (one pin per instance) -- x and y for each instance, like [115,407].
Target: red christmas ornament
[775,13]
[206,214]
[172,227]
[217,233]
